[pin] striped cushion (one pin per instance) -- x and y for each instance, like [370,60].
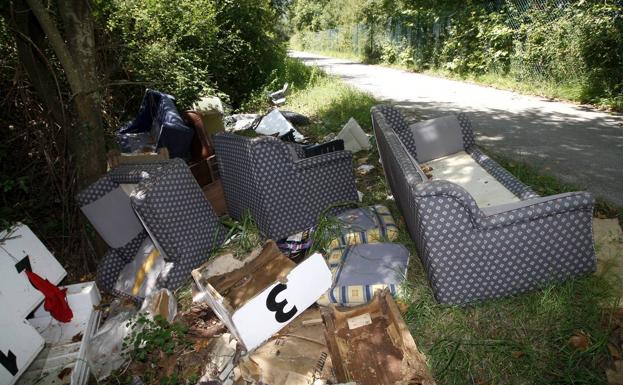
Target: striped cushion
[359,270]
[365,225]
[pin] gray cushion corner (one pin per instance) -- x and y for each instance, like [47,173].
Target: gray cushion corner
[113,218]
[437,137]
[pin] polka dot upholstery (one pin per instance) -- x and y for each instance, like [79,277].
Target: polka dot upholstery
[185,200]
[395,119]
[179,220]
[471,256]
[466,130]
[284,194]
[114,261]
[507,179]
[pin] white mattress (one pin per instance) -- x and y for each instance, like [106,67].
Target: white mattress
[462,169]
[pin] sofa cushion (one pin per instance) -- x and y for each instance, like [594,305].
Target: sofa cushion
[438,137]
[359,270]
[365,225]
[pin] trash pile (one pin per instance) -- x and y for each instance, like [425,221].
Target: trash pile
[287,312]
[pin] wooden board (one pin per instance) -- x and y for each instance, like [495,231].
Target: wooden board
[462,169]
[372,345]
[116,157]
[241,285]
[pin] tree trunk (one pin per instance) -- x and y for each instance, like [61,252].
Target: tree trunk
[30,44]
[78,59]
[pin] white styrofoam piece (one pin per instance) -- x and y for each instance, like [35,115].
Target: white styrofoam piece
[355,139]
[19,345]
[462,169]
[255,323]
[276,123]
[17,295]
[65,343]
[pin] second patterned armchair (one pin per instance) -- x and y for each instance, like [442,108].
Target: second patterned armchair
[283,191]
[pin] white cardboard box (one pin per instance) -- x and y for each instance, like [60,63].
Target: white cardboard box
[37,349]
[65,343]
[19,246]
[265,294]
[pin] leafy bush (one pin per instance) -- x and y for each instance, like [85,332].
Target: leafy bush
[575,46]
[191,47]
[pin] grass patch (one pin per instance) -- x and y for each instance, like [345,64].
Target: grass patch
[330,103]
[519,340]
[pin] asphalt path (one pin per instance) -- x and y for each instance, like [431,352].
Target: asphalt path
[579,144]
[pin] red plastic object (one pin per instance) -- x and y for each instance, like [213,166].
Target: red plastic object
[55,299]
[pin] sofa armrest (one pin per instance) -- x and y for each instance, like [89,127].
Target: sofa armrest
[536,208]
[442,188]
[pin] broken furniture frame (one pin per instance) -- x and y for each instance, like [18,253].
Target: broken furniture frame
[263,295]
[371,344]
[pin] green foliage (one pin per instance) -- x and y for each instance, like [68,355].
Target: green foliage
[575,46]
[149,337]
[192,47]
[291,71]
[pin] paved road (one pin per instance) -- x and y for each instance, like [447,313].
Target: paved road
[580,145]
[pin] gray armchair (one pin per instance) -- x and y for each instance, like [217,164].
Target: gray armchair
[283,191]
[472,253]
[160,200]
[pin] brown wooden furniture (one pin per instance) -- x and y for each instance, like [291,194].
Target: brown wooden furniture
[371,344]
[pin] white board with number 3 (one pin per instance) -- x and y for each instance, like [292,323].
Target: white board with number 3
[273,308]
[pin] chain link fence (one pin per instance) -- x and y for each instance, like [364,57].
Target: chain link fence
[418,39]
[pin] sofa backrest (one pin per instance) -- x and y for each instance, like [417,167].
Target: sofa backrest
[394,119]
[436,138]
[277,181]
[258,174]
[431,139]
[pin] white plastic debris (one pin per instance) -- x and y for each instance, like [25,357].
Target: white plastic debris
[105,349]
[41,349]
[360,195]
[279,97]
[220,367]
[240,122]
[275,123]
[364,169]
[355,139]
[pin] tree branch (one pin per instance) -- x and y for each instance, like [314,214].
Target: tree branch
[58,44]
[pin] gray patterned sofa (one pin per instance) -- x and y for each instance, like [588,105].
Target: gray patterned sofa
[283,191]
[473,253]
[159,200]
